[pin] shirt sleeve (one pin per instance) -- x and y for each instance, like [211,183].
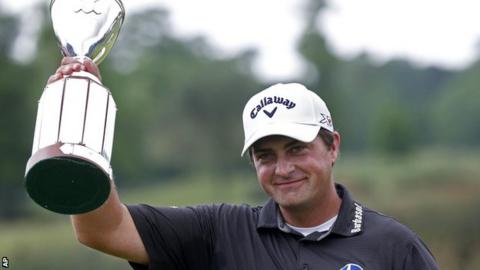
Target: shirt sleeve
[175,238]
[419,257]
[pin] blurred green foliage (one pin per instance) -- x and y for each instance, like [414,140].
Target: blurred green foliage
[410,137]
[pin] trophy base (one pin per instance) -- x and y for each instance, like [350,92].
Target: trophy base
[65,183]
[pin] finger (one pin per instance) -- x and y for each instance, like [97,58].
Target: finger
[54,77]
[92,68]
[69,60]
[70,68]
[78,67]
[65,70]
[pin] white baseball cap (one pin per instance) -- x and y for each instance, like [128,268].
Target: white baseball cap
[285,109]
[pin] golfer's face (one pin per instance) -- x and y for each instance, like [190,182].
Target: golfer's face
[295,174]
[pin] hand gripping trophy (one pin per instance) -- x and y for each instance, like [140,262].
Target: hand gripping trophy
[69,171]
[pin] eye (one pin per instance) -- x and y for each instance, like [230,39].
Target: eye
[297,149]
[264,157]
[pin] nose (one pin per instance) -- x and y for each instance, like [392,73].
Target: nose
[284,167]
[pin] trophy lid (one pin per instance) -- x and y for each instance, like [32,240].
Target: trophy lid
[87,28]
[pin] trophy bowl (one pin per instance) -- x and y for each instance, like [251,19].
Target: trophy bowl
[87,28]
[69,171]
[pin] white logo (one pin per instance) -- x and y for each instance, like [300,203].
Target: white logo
[5,262]
[352,266]
[357,222]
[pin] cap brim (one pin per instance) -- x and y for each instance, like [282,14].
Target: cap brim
[297,131]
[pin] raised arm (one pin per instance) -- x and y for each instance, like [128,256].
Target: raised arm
[109,228]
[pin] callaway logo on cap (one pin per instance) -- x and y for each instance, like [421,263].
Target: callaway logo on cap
[285,109]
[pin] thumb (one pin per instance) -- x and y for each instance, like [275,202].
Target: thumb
[92,68]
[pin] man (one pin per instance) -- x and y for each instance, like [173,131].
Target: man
[309,223]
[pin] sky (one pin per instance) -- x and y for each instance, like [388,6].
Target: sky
[427,32]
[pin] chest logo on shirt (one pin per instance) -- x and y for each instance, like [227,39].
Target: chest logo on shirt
[351,266]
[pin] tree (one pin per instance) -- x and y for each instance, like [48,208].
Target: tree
[454,112]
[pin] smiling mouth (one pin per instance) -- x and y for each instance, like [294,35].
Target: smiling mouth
[286,183]
[88,12]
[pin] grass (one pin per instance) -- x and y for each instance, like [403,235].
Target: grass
[49,245]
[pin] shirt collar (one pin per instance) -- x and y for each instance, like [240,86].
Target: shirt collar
[269,216]
[349,221]
[350,217]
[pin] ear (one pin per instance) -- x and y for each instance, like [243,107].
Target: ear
[335,149]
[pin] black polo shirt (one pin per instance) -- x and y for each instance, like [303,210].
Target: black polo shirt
[247,238]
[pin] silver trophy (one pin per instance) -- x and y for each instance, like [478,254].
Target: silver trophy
[69,171]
